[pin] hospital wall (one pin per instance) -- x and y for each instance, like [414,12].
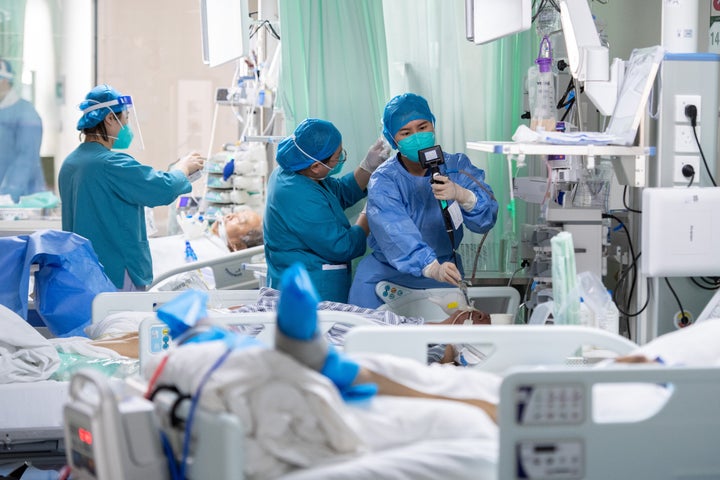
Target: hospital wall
[152,50]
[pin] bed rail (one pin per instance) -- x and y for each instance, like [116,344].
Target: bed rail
[155,340]
[107,303]
[679,440]
[510,345]
[228,270]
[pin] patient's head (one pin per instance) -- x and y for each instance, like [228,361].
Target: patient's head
[240,230]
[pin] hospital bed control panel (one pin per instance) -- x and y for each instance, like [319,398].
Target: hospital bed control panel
[550,404]
[544,405]
[559,459]
[159,338]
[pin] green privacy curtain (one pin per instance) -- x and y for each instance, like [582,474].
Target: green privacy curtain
[344,59]
[12,22]
[334,67]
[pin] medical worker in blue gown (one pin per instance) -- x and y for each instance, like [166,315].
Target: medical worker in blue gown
[305,217]
[20,138]
[104,192]
[409,242]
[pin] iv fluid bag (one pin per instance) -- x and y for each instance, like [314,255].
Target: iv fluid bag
[541,91]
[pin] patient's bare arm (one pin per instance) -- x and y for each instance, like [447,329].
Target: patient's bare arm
[634,359]
[387,386]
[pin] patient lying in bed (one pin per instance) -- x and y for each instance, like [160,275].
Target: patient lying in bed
[295,422]
[296,418]
[268,299]
[233,232]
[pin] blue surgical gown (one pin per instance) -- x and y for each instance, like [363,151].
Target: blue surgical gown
[20,137]
[305,222]
[104,194]
[407,230]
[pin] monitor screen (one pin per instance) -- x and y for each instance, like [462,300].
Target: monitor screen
[225,30]
[488,20]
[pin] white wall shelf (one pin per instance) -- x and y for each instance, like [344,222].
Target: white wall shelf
[629,162]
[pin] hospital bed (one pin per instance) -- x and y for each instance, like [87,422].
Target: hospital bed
[31,416]
[31,422]
[561,421]
[229,270]
[552,422]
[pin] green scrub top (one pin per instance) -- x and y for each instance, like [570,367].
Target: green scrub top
[305,222]
[104,194]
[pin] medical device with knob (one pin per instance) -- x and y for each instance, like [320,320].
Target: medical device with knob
[107,439]
[432,158]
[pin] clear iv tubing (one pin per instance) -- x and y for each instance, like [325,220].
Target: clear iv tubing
[511,204]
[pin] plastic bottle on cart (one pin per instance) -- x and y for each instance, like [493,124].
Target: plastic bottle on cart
[587,316]
[542,116]
[610,317]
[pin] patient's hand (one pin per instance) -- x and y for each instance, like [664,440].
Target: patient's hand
[461,317]
[633,359]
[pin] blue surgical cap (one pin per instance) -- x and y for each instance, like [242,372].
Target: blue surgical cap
[99,94]
[313,139]
[402,110]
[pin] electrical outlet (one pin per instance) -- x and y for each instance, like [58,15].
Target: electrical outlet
[681,101]
[685,140]
[681,160]
[678,319]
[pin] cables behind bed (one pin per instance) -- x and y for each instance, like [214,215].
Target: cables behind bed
[178,470]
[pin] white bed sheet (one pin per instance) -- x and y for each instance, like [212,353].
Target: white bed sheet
[169,252]
[295,419]
[456,459]
[31,401]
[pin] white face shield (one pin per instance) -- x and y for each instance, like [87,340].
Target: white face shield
[131,128]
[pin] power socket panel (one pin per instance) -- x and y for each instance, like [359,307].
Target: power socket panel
[680,161]
[685,140]
[681,101]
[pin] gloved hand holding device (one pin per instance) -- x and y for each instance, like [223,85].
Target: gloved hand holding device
[445,189]
[443,272]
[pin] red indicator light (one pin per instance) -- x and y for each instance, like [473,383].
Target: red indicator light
[85,436]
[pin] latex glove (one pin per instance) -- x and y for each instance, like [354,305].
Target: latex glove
[446,189]
[377,154]
[446,272]
[191,163]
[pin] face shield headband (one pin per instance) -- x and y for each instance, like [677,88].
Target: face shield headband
[125,101]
